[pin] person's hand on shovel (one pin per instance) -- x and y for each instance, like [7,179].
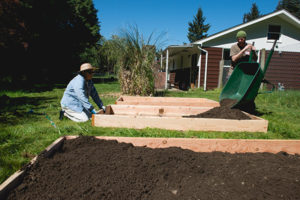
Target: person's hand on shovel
[248,48]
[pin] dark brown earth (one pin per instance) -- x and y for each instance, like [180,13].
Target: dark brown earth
[227,102]
[88,168]
[223,112]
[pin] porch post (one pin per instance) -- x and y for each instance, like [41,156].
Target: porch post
[167,66]
[199,70]
[161,61]
[205,74]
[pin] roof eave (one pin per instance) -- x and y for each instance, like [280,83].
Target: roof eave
[238,27]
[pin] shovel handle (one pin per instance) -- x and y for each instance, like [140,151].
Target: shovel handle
[251,53]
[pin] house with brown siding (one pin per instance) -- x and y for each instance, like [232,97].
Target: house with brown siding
[205,63]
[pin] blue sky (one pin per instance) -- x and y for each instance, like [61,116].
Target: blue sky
[172,16]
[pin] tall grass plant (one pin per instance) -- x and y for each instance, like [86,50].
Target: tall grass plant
[136,62]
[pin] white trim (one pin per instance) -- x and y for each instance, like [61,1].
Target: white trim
[167,66]
[199,70]
[205,72]
[161,61]
[280,12]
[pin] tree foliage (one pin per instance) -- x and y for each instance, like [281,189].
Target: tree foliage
[109,54]
[293,6]
[253,14]
[197,28]
[48,39]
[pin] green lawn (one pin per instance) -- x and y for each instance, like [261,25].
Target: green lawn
[29,121]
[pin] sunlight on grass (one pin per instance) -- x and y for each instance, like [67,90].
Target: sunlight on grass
[26,131]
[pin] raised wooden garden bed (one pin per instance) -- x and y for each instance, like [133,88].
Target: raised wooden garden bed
[246,183]
[166,101]
[172,113]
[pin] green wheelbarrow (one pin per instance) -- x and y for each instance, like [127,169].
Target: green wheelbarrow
[242,87]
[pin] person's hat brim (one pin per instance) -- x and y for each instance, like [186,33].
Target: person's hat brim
[87,66]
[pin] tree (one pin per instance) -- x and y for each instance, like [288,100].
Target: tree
[12,41]
[109,54]
[197,28]
[253,14]
[293,6]
[62,30]
[59,36]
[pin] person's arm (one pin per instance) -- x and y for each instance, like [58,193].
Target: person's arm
[95,97]
[79,88]
[237,56]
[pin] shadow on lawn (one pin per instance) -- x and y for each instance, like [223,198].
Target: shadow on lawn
[43,87]
[259,113]
[30,87]
[16,110]
[104,79]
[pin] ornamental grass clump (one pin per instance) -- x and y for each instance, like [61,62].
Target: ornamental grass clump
[136,62]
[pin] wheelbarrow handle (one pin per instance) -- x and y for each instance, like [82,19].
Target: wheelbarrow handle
[269,91]
[269,57]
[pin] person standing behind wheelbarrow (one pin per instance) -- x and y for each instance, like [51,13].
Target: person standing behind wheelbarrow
[75,101]
[240,52]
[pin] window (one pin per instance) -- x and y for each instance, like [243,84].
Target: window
[274,32]
[226,54]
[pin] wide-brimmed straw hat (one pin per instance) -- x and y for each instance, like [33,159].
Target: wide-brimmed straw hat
[86,66]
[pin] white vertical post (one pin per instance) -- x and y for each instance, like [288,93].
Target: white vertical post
[205,72]
[258,56]
[161,60]
[167,66]
[199,70]
[205,75]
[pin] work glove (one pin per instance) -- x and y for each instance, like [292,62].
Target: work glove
[93,111]
[103,108]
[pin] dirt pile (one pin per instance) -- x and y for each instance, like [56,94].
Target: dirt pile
[227,102]
[223,112]
[88,168]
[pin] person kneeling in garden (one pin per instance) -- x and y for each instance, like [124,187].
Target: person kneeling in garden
[75,101]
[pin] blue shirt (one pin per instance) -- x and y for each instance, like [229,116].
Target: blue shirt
[76,95]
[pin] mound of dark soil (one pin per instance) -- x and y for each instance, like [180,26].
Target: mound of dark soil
[223,112]
[227,102]
[88,168]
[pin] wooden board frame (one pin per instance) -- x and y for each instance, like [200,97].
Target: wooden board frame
[180,123]
[168,113]
[166,101]
[193,144]
[157,110]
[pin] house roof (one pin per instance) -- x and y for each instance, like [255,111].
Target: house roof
[175,49]
[285,15]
